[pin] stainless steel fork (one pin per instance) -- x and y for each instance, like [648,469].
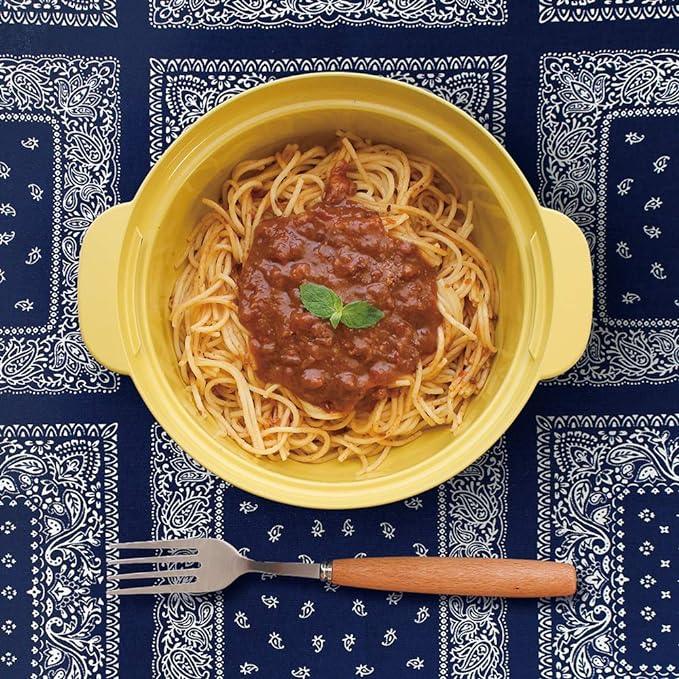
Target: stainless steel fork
[208,565]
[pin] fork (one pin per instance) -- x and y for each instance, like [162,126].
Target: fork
[212,565]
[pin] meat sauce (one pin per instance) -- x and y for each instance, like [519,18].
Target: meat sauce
[340,245]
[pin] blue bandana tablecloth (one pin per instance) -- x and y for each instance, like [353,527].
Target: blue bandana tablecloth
[585,95]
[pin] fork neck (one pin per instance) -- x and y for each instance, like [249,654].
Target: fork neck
[315,571]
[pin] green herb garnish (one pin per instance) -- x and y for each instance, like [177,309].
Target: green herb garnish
[324,303]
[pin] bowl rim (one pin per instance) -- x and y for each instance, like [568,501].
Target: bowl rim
[247,472]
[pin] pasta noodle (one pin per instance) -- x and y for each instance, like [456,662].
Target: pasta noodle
[418,203]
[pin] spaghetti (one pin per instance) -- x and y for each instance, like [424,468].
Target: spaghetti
[417,203]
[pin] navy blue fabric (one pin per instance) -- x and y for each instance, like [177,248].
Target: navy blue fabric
[646,202]
[27,168]
[585,96]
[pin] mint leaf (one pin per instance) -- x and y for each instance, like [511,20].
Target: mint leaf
[361,315]
[324,303]
[319,300]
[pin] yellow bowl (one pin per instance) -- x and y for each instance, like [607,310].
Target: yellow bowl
[541,257]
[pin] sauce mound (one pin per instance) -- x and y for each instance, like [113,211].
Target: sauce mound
[344,247]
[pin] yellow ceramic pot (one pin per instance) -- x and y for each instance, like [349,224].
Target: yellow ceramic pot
[541,257]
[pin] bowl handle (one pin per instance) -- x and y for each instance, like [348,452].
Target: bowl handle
[573,294]
[98,287]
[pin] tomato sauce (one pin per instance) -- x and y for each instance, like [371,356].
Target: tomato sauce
[340,245]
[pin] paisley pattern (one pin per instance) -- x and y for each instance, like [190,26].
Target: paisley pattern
[637,212]
[280,627]
[73,13]
[607,502]
[603,10]
[58,509]
[183,89]
[71,104]
[30,288]
[580,95]
[472,523]
[279,13]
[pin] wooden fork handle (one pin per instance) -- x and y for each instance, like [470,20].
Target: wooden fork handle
[473,577]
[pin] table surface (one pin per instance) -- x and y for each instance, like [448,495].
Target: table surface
[585,95]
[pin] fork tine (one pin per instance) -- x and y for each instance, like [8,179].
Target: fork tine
[157,544]
[172,558]
[154,575]
[188,587]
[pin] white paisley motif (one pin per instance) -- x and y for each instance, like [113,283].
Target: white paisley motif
[275,532]
[78,98]
[422,615]
[222,14]
[248,507]
[66,475]
[307,610]
[270,601]
[660,164]
[472,523]
[580,94]
[276,641]
[317,642]
[587,465]
[24,305]
[602,10]
[184,89]
[75,13]
[624,186]
[394,598]
[658,271]
[390,637]
[388,530]
[348,641]
[241,619]
[653,203]
[622,248]
[634,138]
[414,503]
[36,192]
[358,607]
